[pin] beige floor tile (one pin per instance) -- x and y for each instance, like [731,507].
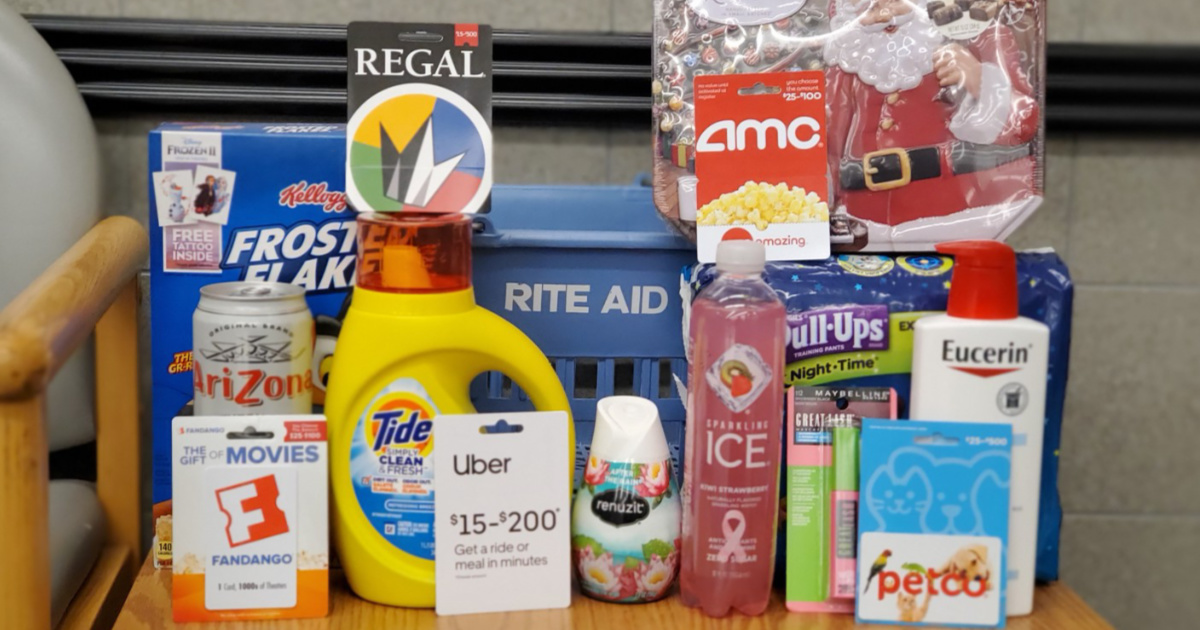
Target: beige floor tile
[1134,217]
[561,15]
[1129,437]
[1138,572]
[632,16]
[1048,227]
[165,9]
[1064,20]
[551,156]
[1141,21]
[66,7]
[294,11]
[630,154]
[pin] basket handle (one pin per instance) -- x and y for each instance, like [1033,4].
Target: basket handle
[515,355]
[484,231]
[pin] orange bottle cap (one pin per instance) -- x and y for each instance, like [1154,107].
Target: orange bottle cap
[414,252]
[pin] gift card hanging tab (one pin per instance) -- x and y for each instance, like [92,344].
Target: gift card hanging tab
[762,163]
[419,104]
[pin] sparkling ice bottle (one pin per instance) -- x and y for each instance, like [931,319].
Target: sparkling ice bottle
[734,424]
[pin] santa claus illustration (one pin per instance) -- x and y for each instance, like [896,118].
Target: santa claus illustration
[930,139]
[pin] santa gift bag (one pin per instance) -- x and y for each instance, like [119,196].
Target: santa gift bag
[933,128]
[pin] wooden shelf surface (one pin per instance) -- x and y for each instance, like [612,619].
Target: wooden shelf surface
[148,607]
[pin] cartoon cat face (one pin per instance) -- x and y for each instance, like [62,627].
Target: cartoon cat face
[956,502]
[897,498]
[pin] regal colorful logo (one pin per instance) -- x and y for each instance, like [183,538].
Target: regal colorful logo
[418,147]
[400,420]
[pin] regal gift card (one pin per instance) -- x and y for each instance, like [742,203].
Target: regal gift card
[419,134]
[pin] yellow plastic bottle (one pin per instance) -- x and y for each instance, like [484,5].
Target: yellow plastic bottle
[412,341]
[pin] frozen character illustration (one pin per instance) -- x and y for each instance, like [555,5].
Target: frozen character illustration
[206,197]
[922,127]
[736,376]
[221,196]
[176,209]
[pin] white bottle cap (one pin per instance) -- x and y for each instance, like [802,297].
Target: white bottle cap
[687,197]
[628,429]
[741,256]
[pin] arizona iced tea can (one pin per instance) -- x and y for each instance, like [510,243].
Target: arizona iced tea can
[252,350]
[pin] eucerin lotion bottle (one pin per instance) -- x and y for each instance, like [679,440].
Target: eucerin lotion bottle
[981,362]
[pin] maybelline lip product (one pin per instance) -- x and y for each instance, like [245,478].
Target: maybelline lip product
[822,494]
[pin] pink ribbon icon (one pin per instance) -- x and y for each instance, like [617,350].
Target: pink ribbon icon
[733,526]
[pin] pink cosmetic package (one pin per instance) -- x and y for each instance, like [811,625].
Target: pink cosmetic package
[822,491]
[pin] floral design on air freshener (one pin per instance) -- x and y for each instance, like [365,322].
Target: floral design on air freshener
[639,557]
[739,376]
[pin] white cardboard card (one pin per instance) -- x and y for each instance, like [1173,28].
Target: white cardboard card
[247,513]
[212,194]
[171,201]
[502,517]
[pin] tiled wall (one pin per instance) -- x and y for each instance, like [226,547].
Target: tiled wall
[1121,210]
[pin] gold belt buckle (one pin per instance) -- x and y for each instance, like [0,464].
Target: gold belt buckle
[870,171]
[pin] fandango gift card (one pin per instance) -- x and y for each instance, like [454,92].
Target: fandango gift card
[933,523]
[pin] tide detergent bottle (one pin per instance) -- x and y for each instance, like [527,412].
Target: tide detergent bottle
[412,341]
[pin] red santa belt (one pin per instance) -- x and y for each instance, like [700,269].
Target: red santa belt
[892,168]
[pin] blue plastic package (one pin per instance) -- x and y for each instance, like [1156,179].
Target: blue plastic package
[933,523]
[850,324]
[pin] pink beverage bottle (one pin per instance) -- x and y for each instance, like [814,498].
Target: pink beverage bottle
[734,425]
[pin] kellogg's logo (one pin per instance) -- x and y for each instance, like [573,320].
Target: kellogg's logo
[304,193]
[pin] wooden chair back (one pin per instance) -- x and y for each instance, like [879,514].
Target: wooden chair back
[92,287]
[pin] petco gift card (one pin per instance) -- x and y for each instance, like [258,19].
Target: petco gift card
[933,522]
[933,579]
[251,518]
[762,163]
